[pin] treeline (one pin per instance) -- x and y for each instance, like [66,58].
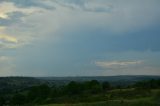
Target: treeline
[11,83]
[74,92]
[151,84]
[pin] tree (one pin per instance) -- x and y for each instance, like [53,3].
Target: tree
[153,83]
[2,101]
[39,93]
[106,85]
[18,99]
[93,86]
[74,88]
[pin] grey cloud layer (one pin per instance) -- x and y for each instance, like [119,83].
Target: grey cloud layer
[13,17]
[29,3]
[73,33]
[85,5]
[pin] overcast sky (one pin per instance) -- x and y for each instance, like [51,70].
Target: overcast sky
[79,37]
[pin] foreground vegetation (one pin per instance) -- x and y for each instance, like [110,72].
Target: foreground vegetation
[88,93]
[110,103]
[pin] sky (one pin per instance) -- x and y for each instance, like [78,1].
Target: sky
[79,37]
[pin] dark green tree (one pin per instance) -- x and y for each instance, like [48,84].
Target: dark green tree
[38,93]
[106,85]
[2,101]
[74,88]
[93,86]
[18,99]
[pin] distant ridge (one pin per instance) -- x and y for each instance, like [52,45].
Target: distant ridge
[120,79]
[24,82]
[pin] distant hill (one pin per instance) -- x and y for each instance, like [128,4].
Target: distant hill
[20,90]
[19,83]
[114,80]
[9,84]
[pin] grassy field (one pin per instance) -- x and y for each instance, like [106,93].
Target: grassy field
[140,102]
[143,101]
[90,93]
[107,104]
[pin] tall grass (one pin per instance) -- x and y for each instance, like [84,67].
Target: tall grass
[111,103]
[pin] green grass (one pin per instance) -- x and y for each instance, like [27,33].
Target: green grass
[140,102]
[119,101]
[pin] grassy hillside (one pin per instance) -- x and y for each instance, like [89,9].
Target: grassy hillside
[114,80]
[152,100]
[33,92]
[111,103]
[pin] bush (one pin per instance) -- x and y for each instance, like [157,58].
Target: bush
[2,101]
[18,99]
[38,93]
